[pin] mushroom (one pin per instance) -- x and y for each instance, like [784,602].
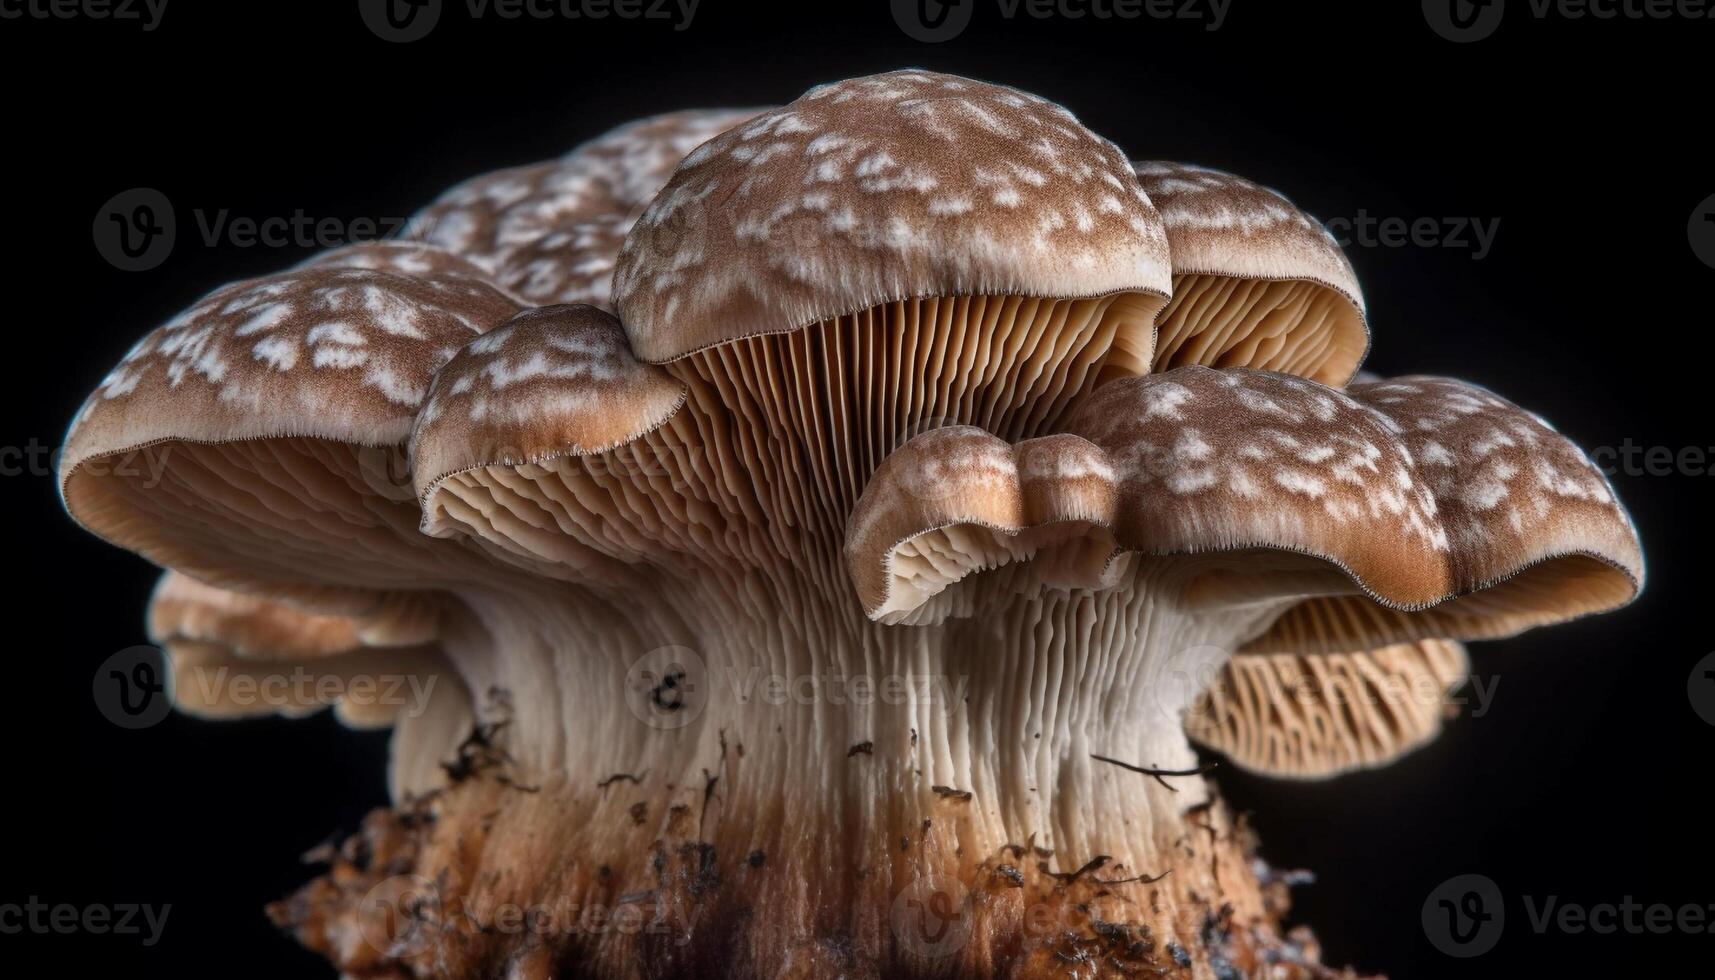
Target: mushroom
[1314,715]
[521,225]
[842,599]
[235,654]
[1256,282]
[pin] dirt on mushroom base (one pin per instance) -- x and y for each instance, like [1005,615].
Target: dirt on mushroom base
[409,895]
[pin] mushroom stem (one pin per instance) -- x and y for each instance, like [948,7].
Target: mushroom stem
[751,838]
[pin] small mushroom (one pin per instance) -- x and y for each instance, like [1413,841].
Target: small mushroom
[236,654]
[1256,282]
[1313,715]
[549,232]
[988,219]
[864,524]
[1391,511]
[252,442]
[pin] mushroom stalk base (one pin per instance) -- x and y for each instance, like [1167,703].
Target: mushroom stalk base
[797,792]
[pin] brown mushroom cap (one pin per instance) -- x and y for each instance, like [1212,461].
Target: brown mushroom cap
[551,386]
[405,258]
[557,380]
[632,162]
[311,378]
[1307,716]
[236,655]
[254,441]
[1256,282]
[877,190]
[262,629]
[343,346]
[549,232]
[1406,509]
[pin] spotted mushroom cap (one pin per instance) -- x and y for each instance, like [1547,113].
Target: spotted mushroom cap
[1421,506]
[252,441]
[898,186]
[330,348]
[549,232]
[1256,282]
[259,440]
[550,382]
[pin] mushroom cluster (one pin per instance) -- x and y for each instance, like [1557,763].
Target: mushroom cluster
[826,529]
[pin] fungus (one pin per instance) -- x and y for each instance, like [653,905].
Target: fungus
[864,524]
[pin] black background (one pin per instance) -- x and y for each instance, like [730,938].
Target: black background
[1585,778]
